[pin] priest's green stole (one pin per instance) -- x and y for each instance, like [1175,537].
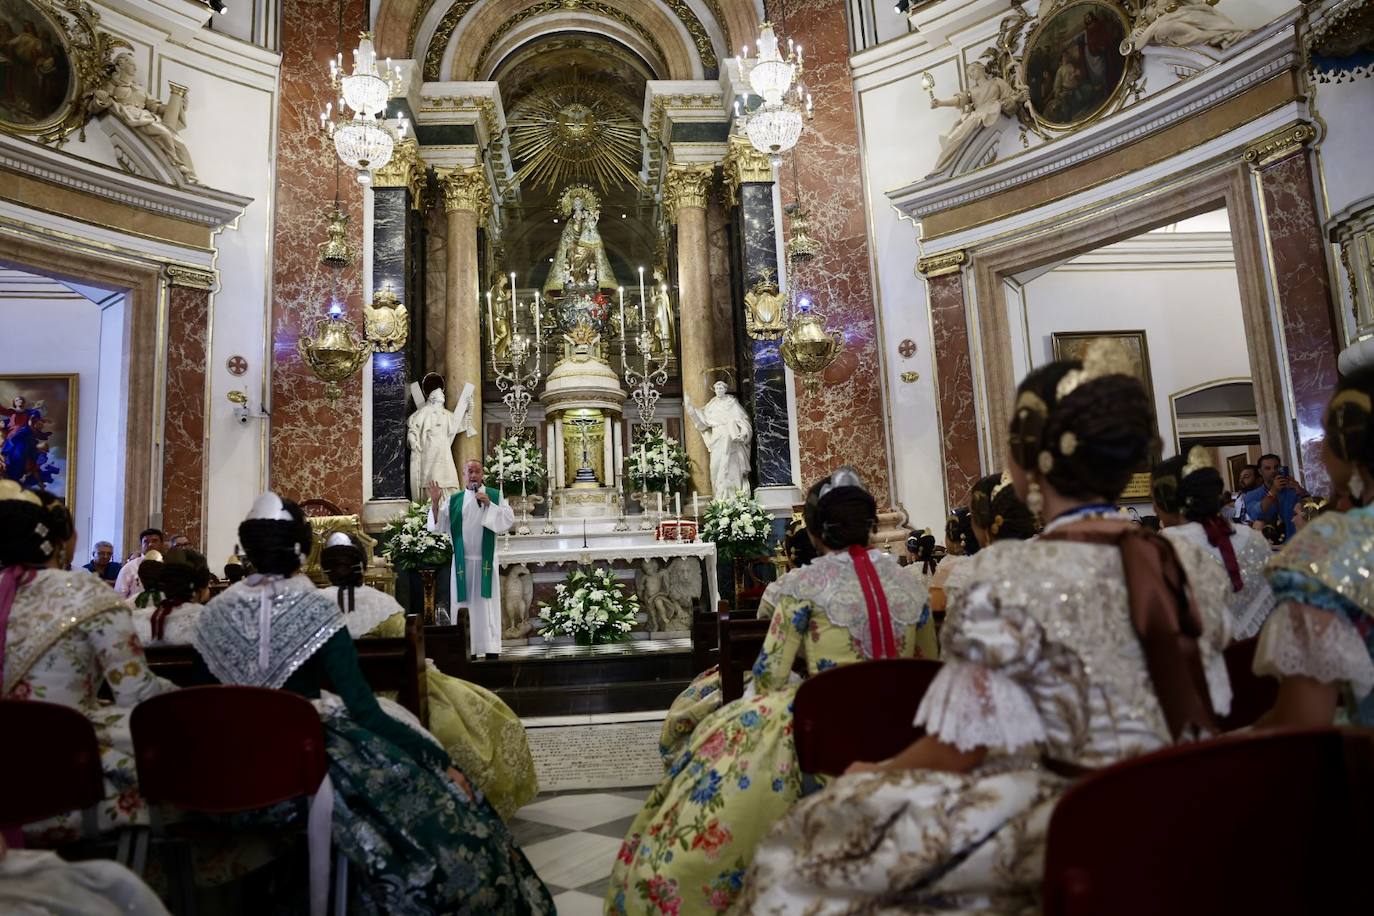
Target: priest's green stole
[460,568]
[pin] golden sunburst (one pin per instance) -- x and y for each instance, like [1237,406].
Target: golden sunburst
[574,130]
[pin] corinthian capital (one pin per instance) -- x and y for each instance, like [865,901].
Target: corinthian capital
[744,164]
[466,189]
[686,186]
[405,170]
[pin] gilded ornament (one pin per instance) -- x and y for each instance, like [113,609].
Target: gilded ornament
[808,348]
[1045,462]
[575,130]
[553,6]
[385,322]
[763,310]
[686,186]
[466,189]
[1278,145]
[335,251]
[333,351]
[189,277]
[951,262]
[800,245]
[910,377]
[744,165]
[1068,443]
[405,170]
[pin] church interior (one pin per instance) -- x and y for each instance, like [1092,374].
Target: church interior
[552,392]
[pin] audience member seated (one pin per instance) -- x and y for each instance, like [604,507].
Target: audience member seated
[36,883]
[419,841]
[175,589]
[961,543]
[1052,665]
[103,565]
[234,570]
[1319,641]
[127,583]
[482,735]
[995,514]
[688,849]
[1190,500]
[64,635]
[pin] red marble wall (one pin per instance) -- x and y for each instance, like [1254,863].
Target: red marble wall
[1304,291]
[183,453]
[316,448]
[843,422]
[954,382]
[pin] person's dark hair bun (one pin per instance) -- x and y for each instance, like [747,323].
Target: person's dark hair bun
[848,517]
[343,564]
[995,507]
[1197,496]
[275,547]
[33,528]
[1349,420]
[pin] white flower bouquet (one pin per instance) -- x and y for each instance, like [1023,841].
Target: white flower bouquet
[516,465]
[738,525]
[591,607]
[658,463]
[408,544]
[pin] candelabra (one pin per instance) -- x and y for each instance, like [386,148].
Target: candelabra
[652,372]
[517,381]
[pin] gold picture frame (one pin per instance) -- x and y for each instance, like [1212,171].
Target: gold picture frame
[1072,65]
[38,436]
[1073,344]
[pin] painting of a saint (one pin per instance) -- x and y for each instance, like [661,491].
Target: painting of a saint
[35,69]
[38,431]
[1073,64]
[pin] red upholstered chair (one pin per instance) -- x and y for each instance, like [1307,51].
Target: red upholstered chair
[1260,824]
[861,711]
[1252,695]
[226,749]
[51,766]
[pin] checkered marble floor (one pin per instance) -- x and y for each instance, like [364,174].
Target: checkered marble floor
[571,839]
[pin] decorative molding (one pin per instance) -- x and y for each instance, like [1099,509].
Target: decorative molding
[438,42]
[405,170]
[686,186]
[665,106]
[744,164]
[1279,145]
[466,189]
[550,6]
[189,277]
[950,262]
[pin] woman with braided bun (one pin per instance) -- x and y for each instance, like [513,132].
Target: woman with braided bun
[176,585]
[1319,641]
[483,736]
[689,848]
[1189,498]
[1067,652]
[995,513]
[62,635]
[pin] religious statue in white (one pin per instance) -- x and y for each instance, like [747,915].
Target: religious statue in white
[1182,23]
[430,432]
[517,597]
[727,432]
[157,122]
[986,101]
[667,591]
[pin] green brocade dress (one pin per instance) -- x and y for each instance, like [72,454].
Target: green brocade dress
[691,844]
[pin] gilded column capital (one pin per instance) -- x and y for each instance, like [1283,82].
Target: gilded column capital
[951,262]
[743,163]
[405,170]
[1279,145]
[189,277]
[466,189]
[686,186]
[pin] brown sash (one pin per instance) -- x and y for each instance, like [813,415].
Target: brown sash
[1165,617]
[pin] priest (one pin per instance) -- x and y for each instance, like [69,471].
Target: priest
[473,517]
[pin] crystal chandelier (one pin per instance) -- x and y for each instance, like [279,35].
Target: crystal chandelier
[363,142]
[776,125]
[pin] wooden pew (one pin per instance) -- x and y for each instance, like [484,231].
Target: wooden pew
[741,638]
[396,664]
[706,638]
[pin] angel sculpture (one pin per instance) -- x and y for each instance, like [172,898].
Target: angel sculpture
[158,122]
[517,594]
[668,592]
[1182,23]
[987,100]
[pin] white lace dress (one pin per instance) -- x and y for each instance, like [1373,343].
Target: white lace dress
[1250,606]
[176,629]
[1041,659]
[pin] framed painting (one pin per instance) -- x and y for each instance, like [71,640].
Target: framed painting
[1073,66]
[1234,465]
[1073,344]
[38,432]
[50,53]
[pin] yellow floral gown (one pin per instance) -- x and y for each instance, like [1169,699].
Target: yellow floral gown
[689,848]
[481,733]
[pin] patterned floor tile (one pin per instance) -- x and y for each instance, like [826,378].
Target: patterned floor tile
[576,903]
[573,859]
[579,812]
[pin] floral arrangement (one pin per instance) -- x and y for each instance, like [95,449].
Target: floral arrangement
[516,465]
[409,544]
[738,525]
[591,607]
[658,463]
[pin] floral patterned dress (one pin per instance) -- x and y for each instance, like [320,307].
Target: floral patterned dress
[1040,659]
[1250,606]
[689,847]
[483,736]
[1323,627]
[68,634]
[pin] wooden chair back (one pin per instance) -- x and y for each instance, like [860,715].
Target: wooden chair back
[448,646]
[741,637]
[1264,824]
[706,637]
[861,711]
[51,765]
[1252,695]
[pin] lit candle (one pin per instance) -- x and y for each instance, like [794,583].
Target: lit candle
[538,330]
[643,466]
[677,505]
[641,297]
[660,503]
[695,509]
[622,317]
[512,302]
[491,328]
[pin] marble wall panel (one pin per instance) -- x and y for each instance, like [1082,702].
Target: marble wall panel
[843,422]
[954,382]
[390,371]
[722,308]
[183,470]
[436,288]
[1304,290]
[767,389]
[316,448]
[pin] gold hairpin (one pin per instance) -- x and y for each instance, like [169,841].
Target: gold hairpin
[1353,397]
[1001,485]
[10,490]
[1030,401]
[1104,356]
[1198,460]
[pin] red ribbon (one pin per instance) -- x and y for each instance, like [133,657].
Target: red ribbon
[879,617]
[1219,536]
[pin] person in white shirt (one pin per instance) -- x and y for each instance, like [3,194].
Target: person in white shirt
[128,585]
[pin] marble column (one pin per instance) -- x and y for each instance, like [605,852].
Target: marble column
[953,373]
[751,182]
[466,201]
[684,198]
[396,190]
[183,455]
[1296,251]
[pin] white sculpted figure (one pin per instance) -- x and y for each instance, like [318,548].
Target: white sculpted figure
[1182,23]
[667,591]
[726,429]
[517,594]
[430,432]
[987,100]
[158,122]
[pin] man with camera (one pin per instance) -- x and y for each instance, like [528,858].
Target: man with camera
[1273,503]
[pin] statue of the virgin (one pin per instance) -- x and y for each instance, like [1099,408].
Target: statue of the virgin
[580,262]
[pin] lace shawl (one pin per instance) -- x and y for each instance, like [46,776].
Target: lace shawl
[831,586]
[302,620]
[370,608]
[45,610]
[1250,606]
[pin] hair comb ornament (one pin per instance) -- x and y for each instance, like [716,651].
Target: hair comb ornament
[1001,485]
[843,476]
[11,491]
[1349,414]
[1198,460]
[269,506]
[1103,357]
